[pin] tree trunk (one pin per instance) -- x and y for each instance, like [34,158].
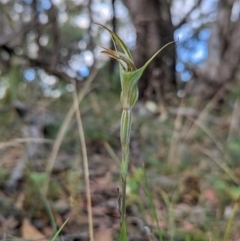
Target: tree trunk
[152,20]
[224,52]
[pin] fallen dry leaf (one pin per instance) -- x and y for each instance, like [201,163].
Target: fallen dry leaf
[211,196]
[58,219]
[103,235]
[7,224]
[187,226]
[11,158]
[30,232]
[20,201]
[103,181]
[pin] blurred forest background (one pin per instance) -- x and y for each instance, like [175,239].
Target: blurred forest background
[185,125]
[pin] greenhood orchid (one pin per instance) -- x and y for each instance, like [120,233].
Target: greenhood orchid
[129,76]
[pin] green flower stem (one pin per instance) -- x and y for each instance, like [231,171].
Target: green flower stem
[129,77]
[125,141]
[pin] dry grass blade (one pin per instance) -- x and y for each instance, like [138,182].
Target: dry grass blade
[210,134]
[85,163]
[230,222]
[111,153]
[18,141]
[234,124]
[220,163]
[209,107]
[64,127]
[174,139]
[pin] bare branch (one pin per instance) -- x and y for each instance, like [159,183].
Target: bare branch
[21,29]
[184,20]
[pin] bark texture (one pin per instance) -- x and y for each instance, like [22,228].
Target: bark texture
[224,52]
[152,20]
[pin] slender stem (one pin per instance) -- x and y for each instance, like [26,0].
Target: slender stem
[125,140]
[123,202]
[125,150]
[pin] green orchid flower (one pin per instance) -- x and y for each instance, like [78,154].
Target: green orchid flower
[129,76]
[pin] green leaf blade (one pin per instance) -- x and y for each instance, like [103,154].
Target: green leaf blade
[151,59]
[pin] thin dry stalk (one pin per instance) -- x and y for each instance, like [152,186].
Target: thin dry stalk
[19,141]
[220,163]
[213,138]
[209,107]
[234,124]
[111,153]
[230,222]
[210,134]
[64,126]
[85,163]
[175,137]
[233,128]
